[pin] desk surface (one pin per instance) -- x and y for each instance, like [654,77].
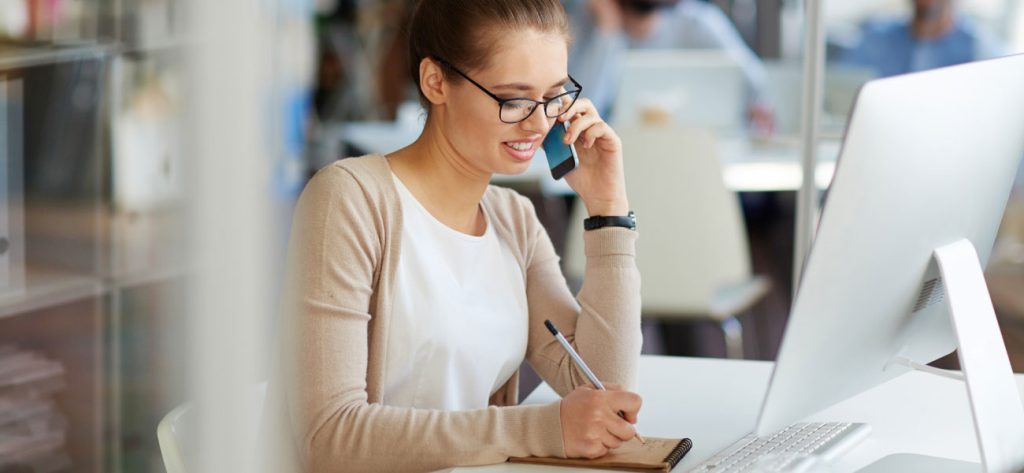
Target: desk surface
[715,402]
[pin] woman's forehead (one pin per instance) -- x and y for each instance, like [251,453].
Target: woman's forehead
[538,59]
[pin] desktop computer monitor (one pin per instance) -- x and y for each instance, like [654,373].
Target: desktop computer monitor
[928,159]
[683,87]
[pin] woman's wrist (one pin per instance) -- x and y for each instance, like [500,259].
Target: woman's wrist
[608,208]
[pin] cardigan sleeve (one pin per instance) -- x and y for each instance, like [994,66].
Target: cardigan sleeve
[602,322]
[335,255]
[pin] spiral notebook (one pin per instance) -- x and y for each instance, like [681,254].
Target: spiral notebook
[657,454]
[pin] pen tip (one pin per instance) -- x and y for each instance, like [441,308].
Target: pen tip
[551,327]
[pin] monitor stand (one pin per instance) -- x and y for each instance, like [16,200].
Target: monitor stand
[907,462]
[991,389]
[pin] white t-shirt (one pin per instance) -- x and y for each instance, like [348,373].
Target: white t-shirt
[459,322]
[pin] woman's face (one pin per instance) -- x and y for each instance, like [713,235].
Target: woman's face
[524,64]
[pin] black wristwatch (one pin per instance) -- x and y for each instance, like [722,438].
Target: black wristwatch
[601,221]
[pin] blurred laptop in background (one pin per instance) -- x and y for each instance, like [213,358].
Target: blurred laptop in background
[692,88]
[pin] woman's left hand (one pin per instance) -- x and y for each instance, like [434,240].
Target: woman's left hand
[599,178]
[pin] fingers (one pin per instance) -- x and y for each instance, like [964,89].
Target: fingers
[626,402]
[621,429]
[628,416]
[607,442]
[611,441]
[579,125]
[595,132]
[569,114]
[586,124]
[591,425]
[582,107]
[598,450]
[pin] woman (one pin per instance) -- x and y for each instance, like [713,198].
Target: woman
[418,289]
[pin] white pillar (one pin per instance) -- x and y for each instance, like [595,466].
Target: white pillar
[230,142]
[813,82]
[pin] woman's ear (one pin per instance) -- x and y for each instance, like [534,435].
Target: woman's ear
[432,82]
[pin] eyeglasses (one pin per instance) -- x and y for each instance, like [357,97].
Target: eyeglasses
[517,109]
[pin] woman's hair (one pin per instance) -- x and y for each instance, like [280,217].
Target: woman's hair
[464,33]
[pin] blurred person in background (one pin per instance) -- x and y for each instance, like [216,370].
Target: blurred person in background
[416,289]
[605,29]
[362,61]
[935,36]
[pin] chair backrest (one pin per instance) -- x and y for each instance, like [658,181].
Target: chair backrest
[177,429]
[170,433]
[692,236]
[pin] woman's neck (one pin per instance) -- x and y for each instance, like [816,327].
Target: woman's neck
[442,180]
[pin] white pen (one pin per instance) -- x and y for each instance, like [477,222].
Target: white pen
[583,366]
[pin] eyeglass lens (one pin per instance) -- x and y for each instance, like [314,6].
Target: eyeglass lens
[518,110]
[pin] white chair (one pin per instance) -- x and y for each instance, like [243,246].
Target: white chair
[177,427]
[693,253]
[169,433]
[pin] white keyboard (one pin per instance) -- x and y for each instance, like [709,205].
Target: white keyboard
[795,449]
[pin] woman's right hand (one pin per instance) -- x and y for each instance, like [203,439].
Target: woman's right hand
[591,425]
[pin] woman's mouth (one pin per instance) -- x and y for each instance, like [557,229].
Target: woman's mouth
[521,150]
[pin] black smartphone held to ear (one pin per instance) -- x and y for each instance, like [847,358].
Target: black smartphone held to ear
[562,157]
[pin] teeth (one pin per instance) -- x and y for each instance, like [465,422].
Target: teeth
[520,146]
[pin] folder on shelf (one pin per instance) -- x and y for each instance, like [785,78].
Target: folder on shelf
[33,431]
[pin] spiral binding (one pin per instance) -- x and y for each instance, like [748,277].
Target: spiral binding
[677,453]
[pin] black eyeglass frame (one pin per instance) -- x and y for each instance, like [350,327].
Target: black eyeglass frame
[502,102]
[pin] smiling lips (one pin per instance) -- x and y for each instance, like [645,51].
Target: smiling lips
[522,150]
[520,146]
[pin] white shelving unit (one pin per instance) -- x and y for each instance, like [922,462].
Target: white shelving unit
[53,164]
[92,268]
[45,289]
[144,266]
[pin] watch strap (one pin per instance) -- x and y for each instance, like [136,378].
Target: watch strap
[601,221]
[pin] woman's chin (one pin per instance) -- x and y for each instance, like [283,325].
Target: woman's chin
[513,169]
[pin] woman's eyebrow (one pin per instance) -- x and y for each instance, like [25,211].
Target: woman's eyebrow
[528,87]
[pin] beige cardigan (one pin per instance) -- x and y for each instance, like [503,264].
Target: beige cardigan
[325,408]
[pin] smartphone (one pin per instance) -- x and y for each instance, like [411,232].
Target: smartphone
[562,157]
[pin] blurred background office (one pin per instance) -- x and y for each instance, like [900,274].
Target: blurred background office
[151,150]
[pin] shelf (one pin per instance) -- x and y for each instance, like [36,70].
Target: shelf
[46,288]
[145,246]
[72,334]
[15,55]
[157,46]
[127,280]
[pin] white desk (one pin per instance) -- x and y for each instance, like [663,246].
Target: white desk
[746,166]
[715,402]
[775,166]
